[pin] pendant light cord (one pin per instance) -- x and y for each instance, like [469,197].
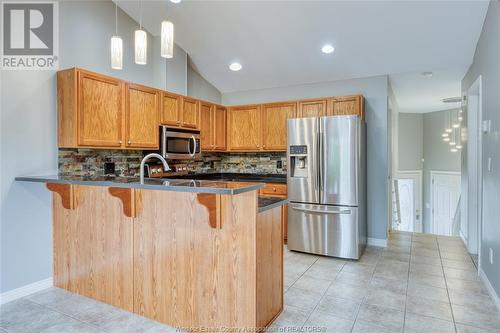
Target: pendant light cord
[140,14]
[116,19]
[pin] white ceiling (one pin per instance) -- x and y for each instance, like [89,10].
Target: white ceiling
[279,42]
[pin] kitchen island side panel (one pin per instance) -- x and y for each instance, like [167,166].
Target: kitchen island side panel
[93,246]
[188,274]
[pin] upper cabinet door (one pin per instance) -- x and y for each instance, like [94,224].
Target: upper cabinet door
[206,126]
[190,113]
[244,128]
[274,124]
[141,117]
[100,108]
[220,116]
[171,106]
[312,108]
[350,105]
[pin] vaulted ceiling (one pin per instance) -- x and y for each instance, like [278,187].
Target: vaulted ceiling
[279,42]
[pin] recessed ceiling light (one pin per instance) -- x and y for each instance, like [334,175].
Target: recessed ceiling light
[235,66]
[427,74]
[175,1]
[327,49]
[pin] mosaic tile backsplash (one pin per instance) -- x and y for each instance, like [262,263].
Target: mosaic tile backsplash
[90,162]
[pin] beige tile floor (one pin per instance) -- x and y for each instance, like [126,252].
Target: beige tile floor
[419,283]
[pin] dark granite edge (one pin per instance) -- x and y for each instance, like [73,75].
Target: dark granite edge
[157,187]
[279,202]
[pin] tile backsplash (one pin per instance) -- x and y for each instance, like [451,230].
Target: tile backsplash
[90,162]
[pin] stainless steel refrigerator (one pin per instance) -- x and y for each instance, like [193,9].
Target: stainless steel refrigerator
[327,186]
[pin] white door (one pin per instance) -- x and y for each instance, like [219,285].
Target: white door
[445,195]
[409,195]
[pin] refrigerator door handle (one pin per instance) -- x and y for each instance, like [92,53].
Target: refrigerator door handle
[314,211]
[319,161]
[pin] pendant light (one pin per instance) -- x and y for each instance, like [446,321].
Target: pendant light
[141,42]
[116,46]
[167,39]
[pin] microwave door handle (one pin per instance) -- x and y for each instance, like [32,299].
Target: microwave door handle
[194,146]
[164,141]
[314,211]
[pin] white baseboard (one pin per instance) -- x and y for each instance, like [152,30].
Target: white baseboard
[377,242]
[490,289]
[26,290]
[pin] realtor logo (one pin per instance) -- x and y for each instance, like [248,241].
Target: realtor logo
[29,35]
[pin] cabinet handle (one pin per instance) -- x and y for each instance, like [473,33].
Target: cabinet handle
[129,142]
[120,141]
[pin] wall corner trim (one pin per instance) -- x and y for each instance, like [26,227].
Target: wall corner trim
[26,290]
[489,287]
[377,242]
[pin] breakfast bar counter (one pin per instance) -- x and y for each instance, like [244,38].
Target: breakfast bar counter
[193,254]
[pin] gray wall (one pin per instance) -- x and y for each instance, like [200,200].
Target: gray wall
[411,143]
[486,63]
[437,157]
[200,88]
[375,91]
[28,130]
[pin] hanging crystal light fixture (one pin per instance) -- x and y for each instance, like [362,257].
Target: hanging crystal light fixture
[456,120]
[141,41]
[459,139]
[448,128]
[167,39]
[116,46]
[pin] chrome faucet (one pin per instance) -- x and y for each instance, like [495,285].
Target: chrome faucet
[146,158]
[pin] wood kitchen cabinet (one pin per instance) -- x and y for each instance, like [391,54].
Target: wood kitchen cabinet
[141,117]
[212,127]
[220,128]
[244,128]
[207,115]
[312,108]
[90,109]
[171,109]
[348,105]
[280,191]
[98,111]
[190,113]
[274,124]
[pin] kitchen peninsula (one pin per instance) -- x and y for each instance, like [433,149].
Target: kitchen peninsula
[194,254]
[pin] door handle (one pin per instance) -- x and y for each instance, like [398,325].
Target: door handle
[314,211]
[194,146]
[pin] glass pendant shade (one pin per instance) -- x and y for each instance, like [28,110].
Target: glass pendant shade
[167,39]
[116,52]
[141,47]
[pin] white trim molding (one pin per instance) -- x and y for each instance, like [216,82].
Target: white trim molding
[377,242]
[490,289]
[26,290]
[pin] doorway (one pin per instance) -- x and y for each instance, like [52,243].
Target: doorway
[408,196]
[473,177]
[445,195]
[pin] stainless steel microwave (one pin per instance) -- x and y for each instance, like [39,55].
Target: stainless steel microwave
[179,144]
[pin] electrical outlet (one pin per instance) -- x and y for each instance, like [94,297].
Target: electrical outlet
[491,256]
[109,168]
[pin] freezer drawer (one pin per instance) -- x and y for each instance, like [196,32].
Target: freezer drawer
[326,230]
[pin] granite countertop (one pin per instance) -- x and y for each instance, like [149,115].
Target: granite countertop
[266,203]
[179,185]
[245,177]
